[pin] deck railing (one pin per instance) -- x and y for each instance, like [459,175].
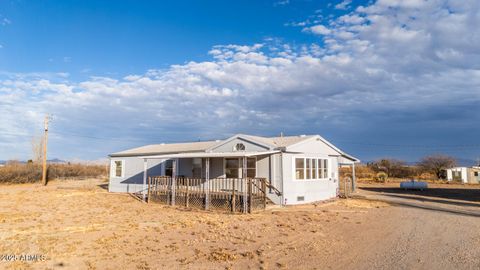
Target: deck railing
[227,194]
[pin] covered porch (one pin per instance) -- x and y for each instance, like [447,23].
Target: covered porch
[211,181]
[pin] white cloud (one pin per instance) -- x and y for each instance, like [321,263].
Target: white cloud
[372,60]
[344,5]
[318,30]
[5,21]
[282,3]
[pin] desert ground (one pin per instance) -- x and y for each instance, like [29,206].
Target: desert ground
[79,225]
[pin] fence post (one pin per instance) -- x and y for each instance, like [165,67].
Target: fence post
[250,199]
[207,183]
[186,196]
[244,184]
[174,180]
[149,188]
[145,170]
[264,187]
[354,178]
[233,195]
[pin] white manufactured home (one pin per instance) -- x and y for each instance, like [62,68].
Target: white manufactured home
[297,169]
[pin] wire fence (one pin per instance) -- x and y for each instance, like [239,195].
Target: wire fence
[241,195]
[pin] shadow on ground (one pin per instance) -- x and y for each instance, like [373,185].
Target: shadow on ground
[469,195]
[465,202]
[103,186]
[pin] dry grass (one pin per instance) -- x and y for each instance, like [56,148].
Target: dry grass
[16,172]
[85,227]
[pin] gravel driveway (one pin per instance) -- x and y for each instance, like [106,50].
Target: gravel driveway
[435,229]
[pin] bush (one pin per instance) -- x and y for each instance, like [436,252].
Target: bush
[382,177]
[16,172]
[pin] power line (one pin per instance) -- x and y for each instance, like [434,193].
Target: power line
[143,139]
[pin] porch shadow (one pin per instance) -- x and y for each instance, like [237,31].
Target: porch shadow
[467,195]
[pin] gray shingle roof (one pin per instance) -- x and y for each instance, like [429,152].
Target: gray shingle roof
[167,148]
[155,149]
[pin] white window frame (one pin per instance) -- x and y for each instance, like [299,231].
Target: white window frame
[113,168]
[318,170]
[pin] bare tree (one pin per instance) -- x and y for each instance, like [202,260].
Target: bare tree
[392,167]
[37,149]
[437,164]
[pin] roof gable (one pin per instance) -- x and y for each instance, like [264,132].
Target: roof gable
[251,143]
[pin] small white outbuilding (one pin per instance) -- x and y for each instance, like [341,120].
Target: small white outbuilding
[466,175]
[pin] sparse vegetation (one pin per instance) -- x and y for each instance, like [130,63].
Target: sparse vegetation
[17,172]
[381,177]
[429,168]
[437,164]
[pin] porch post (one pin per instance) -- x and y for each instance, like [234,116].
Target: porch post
[174,180]
[244,179]
[354,178]
[207,183]
[145,168]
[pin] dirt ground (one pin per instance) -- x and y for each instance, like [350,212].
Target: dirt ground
[79,225]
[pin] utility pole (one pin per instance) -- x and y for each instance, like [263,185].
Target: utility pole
[44,172]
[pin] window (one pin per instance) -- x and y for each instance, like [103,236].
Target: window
[239,147]
[118,168]
[300,168]
[169,167]
[233,167]
[311,168]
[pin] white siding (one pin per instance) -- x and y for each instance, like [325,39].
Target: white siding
[310,190]
[132,180]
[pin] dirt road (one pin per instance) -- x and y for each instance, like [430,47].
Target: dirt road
[78,225]
[434,229]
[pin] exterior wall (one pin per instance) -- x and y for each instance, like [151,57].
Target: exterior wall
[472,178]
[462,170]
[311,190]
[132,180]
[249,146]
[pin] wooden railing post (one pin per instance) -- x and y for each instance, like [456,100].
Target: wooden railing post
[186,195]
[250,199]
[149,188]
[207,183]
[264,187]
[244,185]
[233,195]
[174,180]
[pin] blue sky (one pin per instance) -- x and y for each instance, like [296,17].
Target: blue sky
[385,78]
[101,38]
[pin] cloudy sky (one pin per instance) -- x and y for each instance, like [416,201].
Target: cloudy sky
[386,78]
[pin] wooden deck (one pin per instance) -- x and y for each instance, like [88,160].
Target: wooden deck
[226,194]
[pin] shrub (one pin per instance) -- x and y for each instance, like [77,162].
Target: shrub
[382,177]
[16,172]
